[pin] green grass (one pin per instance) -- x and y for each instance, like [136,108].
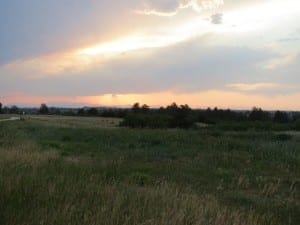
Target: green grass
[60,170]
[5,116]
[74,121]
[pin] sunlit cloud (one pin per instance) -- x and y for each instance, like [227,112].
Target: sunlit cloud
[279,61]
[131,43]
[156,13]
[65,62]
[84,58]
[258,16]
[254,86]
[196,5]
[248,48]
[182,31]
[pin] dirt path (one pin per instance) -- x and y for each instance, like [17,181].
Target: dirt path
[10,119]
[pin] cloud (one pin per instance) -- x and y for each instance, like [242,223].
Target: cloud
[217,18]
[289,73]
[82,59]
[292,37]
[69,48]
[203,99]
[173,7]
[279,61]
[31,28]
[183,68]
[254,86]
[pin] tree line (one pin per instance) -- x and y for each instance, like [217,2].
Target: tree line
[182,116]
[171,116]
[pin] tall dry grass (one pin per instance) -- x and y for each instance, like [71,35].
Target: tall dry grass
[45,188]
[64,175]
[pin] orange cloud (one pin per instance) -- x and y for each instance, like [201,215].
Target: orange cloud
[84,58]
[212,98]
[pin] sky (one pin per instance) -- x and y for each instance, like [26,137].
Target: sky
[205,53]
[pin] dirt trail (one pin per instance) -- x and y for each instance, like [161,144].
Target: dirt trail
[10,119]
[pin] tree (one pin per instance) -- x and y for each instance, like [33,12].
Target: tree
[81,112]
[145,108]
[92,112]
[0,107]
[14,110]
[257,114]
[44,109]
[181,115]
[136,107]
[184,117]
[281,117]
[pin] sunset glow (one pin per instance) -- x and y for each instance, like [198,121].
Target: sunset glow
[193,52]
[237,100]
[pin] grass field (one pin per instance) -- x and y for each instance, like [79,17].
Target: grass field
[71,170]
[75,122]
[4,116]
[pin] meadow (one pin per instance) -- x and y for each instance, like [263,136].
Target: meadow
[74,170]
[4,116]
